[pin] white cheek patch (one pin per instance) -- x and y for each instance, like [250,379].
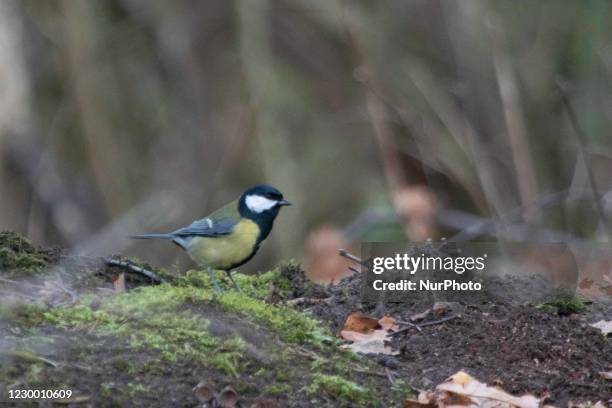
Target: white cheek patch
[258,204]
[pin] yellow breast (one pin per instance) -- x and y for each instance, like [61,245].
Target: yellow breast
[225,251]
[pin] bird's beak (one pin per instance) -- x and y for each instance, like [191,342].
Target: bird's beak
[283,203]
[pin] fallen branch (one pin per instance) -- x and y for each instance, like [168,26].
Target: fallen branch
[420,326]
[130,267]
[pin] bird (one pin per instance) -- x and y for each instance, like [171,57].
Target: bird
[231,235]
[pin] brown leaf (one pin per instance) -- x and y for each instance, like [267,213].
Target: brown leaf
[367,334]
[372,344]
[606,374]
[228,398]
[203,392]
[119,283]
[425,400]
[463,390]
[357,322]
[388,323]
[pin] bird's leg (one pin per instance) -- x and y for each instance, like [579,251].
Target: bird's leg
[213,280]
[229,273]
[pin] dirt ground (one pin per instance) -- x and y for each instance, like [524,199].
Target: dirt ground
[522,348]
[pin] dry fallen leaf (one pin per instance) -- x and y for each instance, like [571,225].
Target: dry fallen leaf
[424,400]
[463,390]
[604,326]
[606,374]
[372,345]
[367,334]
[357,322]
[388,323]
[464,385]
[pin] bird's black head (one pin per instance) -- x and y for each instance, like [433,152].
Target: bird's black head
[261,204]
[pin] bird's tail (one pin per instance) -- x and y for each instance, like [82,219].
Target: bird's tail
[153,236]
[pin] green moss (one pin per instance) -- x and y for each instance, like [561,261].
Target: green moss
[402,390]
[563,305]
[156,318]
[172,322]
[17,252]
[292,325]
[121,364]
[278,389]
[23,314]
[256,286]
[340,389]
[136,389]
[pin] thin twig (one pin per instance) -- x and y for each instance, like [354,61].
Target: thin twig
[368,372]
[412,325]
[581,137]
[353,269]
[390,376]
[29,356]
[129,267]
[307,301]
[346,254]
[14,282]
[415,325]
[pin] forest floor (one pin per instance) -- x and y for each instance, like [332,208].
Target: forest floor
[114,338]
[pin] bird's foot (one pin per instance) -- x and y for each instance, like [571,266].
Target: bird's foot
[229,273]
[213,280]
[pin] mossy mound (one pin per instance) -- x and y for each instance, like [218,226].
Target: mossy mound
[151,345]
[17,252]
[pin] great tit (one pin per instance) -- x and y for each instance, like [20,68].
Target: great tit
[230,236]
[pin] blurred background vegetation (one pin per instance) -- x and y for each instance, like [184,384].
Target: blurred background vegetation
[128,116]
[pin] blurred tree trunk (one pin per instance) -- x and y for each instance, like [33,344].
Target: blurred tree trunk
[83,39]
[471,56]
[267,97]
[15,117]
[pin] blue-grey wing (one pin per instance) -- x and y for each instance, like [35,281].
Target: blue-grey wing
[207,227]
